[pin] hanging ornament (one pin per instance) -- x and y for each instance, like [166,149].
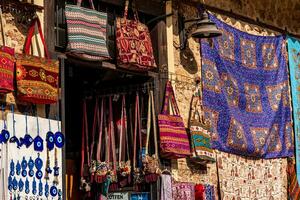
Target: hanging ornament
[59,138]
[53,191]
[10,184]
[14,139]
[4,135]
[40,188]
[50,138]
[30,166]
[34,190]
[15,183]
[18,168]
[38,141]
[38,165]
[12,168]
[46,189]
[27,186]
[59,194]
[56,169]
[21,185]
[24,166]
[27,140]
[48,168]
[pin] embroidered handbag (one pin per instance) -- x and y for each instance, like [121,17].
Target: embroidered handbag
[37,78]
[151,163]
[86,32]
[183,190]
[124,168]
[134,47]
[7,63]
[174,142]
[200,136]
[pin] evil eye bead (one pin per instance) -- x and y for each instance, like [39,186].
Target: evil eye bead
[5,135]
[18,168]
[40,188]
[27,186]
[31,173]
[53,191]
[15,184]
[50,140]
[1,138]
[38,162]
[59,139]
[46,190]
[28,140]
[21,185]
[10,185]
[39,174]
[12,168]
[38,144]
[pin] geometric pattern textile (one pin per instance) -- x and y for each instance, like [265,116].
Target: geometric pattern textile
[245,93]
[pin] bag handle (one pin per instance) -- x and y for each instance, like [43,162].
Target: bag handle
[31,32]
[151,110]
[169,93]
[84,139]
[95,123]
[123,131]
[79,2]
[100,122]
[135,13]
[2,27]
[112,136]
[137,129]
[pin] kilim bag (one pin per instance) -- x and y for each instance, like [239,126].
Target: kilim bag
[183,190]
[86,32]
[37,78]
[200,136]
[151,163]
[7,64]
[174,142]
[134,47]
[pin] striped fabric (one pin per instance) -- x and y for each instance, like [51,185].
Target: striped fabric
[87,32]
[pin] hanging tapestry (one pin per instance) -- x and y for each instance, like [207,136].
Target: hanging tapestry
[245,93]
[243,178]
[294,62]
[293,186]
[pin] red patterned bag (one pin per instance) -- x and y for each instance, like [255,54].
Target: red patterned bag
[37,78]
[134,45]
[7,64]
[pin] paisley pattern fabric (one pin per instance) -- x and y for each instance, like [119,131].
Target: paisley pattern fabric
[243,178]
[245,93]
[294,64]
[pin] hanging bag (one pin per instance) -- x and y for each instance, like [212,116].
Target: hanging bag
[37,78]
[134,47]
[174,142]
[86,32]
[151,163]
[183,190]
[200,136]
[124,169]
[7,63]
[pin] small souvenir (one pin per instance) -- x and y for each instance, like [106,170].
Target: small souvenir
[15,183]
[39,166]
[53,191]
[34,190]
[40,188]
[27,186]
[12,168]
[14,139]
[59,194]
[4,133]
[38,141]
[27,140]
[21,185]
[56,169]
[30,166]
[24,166]
[18,168]
[50,140]
[48,168]
[10,184]
[59,138]
[46,189]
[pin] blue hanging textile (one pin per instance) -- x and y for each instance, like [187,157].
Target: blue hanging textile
[245,93]
[294,62]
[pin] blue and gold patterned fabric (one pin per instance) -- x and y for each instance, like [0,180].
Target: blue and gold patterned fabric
[246,93]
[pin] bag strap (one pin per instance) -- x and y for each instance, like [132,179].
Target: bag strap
[31,32]
[2,27]
[137,130]
[100,122]
[84,139]
[135,13]
[151,110]
[123,131]
[95,123]
[79,2]
[170,98]
[112,136]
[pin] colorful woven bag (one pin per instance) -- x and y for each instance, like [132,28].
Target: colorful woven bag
[37,78]
[183,190]
[134,47]
[200,136]
[174,142]
[7,63]
[86,32]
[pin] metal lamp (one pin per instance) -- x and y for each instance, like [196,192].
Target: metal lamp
[205,29]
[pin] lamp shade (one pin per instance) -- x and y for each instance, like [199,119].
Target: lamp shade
[206,28]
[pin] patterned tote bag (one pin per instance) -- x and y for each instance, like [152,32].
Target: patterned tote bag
[134,46]
[200,135]
[86,32]
[183,190]
[37,78]
[7,63]
[174,142]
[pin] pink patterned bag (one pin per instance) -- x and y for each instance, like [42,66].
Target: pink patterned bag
[174,142]
[183,190]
